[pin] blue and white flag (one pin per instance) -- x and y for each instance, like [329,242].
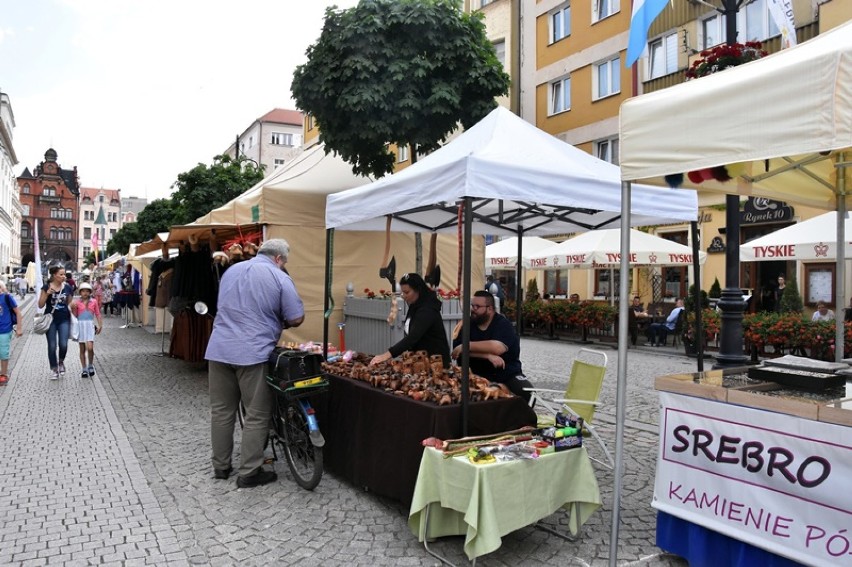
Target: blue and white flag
[644,13]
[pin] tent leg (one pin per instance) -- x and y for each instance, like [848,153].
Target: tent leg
[467,292]
[840,262]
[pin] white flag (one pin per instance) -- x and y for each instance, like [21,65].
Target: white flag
[782,12]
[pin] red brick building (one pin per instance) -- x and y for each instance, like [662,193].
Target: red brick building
[51,195]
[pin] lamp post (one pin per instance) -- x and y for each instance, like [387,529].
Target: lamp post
[731,303]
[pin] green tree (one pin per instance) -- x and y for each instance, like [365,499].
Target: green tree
[157,216]
[791,301]
[397,71]
[689,300]
[715,289]
[204,188]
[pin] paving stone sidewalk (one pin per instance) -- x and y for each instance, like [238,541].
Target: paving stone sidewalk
[116,470]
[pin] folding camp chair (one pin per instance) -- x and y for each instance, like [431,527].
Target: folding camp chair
[579,398]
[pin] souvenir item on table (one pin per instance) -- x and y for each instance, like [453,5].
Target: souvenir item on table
[418,376]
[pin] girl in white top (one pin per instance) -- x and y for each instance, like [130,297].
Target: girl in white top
[88,314]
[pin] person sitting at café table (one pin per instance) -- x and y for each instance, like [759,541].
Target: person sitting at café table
[659,332]
[495,348]
[424,325]
[823,313]
[637,308]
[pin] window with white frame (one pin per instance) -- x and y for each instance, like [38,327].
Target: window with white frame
[607,78]
[25,209]
[277,162]
[26,229]
[663,56]
[282,139]
[759,24]
[500,50]
[49,192]
[560,95]
[87,232]
[560,23]
[86,251]
[712,31]
[604,8]
[607,150]
[25,189]
[401,153]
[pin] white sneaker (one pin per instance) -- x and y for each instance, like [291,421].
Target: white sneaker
[54,374]
[61,369]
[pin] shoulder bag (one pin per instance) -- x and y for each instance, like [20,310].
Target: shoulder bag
[42,322]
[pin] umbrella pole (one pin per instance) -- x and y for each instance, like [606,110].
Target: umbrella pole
[696,297]
[519,271]
[840,261]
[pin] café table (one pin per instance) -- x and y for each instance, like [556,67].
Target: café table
[484,502]
[373,437]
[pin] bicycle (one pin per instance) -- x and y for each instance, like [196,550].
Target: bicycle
[295,430]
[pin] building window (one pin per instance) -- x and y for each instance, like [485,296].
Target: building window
[25,209]
[712,30]
[401,154]
[606,287]
[607,78]
[484,3]
[560,95]
[25,189]
[86,251]
[604,9]
[282,139]
[556,282]
[560,23]
[759,24]
[53,212]
[111,233]
[500,50]
[87,232]
[607,150]
[310,121]
[52,233]
[675,278]
[663,56]
[251,141]
[68,235]
[26,230]
[278,162]
[49,192]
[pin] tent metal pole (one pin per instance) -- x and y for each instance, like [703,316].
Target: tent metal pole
[466,293]
[840,261]
[326,291]
[698,337]
[621,383]
[519,279]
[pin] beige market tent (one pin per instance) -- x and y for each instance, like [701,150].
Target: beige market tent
[787,118]
[290,203]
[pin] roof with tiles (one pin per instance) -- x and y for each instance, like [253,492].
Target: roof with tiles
[92,194]
[283,116]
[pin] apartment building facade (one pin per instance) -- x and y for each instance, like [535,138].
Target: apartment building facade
[574,80]
[10,204]
[131,207]
[50,195]
[100,218]
[272,140]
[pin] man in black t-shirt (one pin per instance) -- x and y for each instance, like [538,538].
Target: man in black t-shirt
[495,348]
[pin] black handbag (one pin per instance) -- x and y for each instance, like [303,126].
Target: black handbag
[289,366]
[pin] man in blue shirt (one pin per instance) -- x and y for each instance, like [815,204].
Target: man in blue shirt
[659,332]
[8,307]
[257,300]
[495,348]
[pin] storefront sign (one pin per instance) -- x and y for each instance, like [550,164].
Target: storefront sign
[761,210]
[716,245]
[776,481]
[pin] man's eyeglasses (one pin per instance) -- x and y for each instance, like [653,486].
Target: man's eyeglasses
[476,307]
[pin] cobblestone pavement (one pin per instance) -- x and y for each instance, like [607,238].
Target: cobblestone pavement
[116,470]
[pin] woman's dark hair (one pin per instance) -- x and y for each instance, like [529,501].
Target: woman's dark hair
[53,269]
[417,283]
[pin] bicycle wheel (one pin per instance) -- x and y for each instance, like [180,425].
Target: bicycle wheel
[303,458]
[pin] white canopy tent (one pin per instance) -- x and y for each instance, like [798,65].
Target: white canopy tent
[785,119]
[504,254]
[813,239]
[503,176]
[602,248]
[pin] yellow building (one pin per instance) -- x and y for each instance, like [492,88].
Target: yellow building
[573,80]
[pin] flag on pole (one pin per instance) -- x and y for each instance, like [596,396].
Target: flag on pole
[644,13]
[36,249]
[782,13]
[95,244]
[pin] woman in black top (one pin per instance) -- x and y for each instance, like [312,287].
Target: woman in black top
[55,296]
[424,326]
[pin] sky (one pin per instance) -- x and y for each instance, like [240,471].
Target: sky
[134,93]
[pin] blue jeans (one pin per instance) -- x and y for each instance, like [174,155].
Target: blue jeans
[58,330]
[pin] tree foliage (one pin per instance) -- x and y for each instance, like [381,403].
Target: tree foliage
[123,238]
[204,188]
[791,301]
[397,71]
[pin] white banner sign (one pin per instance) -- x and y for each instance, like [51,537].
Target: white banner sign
[776,481]
[782,13]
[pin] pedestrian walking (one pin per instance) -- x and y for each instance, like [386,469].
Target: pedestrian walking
[55,297]
[246,330]
[10,321]
[88,314]
[107,297]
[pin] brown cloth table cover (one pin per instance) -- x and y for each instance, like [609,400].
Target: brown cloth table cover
[373,436]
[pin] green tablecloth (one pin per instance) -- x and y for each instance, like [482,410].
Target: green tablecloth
[486,502]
